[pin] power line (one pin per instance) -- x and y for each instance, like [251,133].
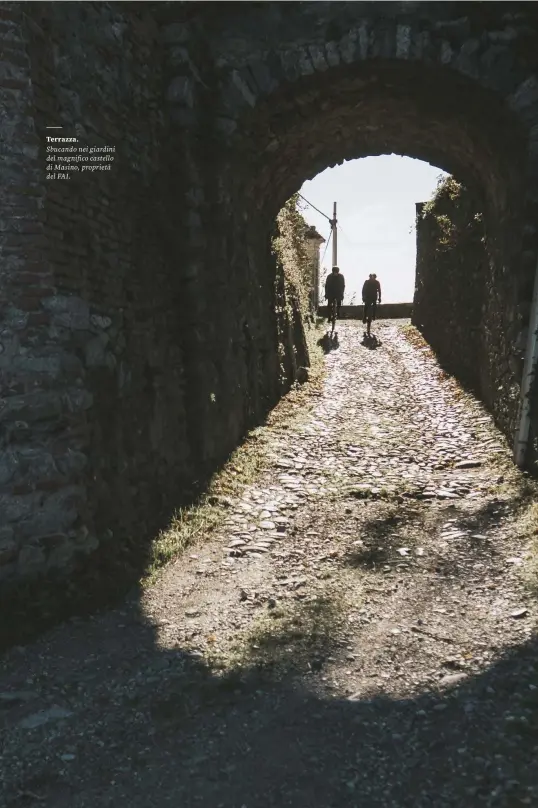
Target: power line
[313,206]
[326,246]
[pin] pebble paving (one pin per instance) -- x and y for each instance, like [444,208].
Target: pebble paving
[386,425]
[355,633]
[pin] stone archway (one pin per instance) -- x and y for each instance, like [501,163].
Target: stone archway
[297,90]
[138,329]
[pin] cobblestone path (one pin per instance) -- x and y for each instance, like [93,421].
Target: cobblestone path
[356,632]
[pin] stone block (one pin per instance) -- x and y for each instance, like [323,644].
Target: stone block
[333,55]
[242,86]
[225,126]
[57,515]
[72,462]
[454,29]
[231,101]
[318,57]
[509,34]
[8,550]
[52,365]
[403,41]
[15,318]
[58,304]
[61,554]
[263,77]
[181,91]
[84,540]
[13,508]
[524,101]
[467,60]
[8,571]
[6,533]
[9,465]
[498,69]
[99,321]
[364,40]
[178,56]
[31,561]
[75,320]
[71,364]
[383,45]
[295,63]
[31,407]
[95,352]
[348,46]
[175,32]
[78,399]
[110,361]
[447,53]
[37,461]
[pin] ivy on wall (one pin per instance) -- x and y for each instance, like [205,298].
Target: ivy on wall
[448,190]
[289,247]
[293,282]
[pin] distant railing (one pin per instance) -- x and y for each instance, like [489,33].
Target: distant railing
[386,311]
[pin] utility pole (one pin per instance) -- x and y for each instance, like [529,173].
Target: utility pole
[333,230]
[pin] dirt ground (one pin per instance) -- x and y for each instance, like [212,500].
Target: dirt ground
[359,629]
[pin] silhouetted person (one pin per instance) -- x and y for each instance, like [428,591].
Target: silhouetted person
[334,290]
[371,296]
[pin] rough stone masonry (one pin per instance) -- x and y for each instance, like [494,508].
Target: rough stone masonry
[138,333]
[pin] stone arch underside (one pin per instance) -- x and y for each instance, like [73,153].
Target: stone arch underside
[140,339]
[381,108]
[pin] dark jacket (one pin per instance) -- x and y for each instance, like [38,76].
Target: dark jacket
[335,286]
[371,291]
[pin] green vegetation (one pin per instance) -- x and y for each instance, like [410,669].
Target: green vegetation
[441,206]
[529,537]
[195,523]
[289,247]
[447,189]
[450,205]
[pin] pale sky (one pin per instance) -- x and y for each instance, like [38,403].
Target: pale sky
[375,200]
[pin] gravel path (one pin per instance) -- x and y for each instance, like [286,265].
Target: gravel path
[356,632]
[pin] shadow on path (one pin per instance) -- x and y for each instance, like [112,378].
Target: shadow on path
[175,733]
[371,342]
[329,342]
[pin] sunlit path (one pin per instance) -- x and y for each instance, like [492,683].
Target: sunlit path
[355,632]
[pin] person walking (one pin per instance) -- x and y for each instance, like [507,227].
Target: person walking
[334,290]
[371,296]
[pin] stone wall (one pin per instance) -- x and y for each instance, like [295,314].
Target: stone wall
[386,311]
[94,429]
[133,359]
[461,302]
